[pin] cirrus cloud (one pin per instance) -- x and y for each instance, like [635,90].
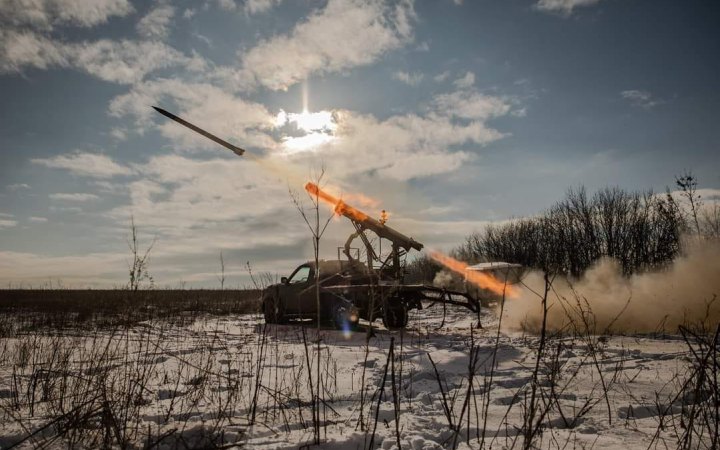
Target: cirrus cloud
[642,99]
[564,7]
[74,197]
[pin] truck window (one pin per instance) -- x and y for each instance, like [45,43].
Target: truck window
[300,276]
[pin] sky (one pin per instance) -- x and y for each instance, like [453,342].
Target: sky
[449,114]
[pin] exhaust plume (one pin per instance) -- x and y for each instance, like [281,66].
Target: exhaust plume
[443,279]
[481,279]
[684,293]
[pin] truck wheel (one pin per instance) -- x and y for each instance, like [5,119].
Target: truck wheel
[272,310]
[395,317]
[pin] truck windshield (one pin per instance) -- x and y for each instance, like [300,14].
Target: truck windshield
[300,276]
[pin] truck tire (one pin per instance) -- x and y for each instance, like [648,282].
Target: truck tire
[272,309]
[395,316]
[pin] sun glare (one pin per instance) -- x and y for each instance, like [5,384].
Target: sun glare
[305,143]
[310,121]
[318,128]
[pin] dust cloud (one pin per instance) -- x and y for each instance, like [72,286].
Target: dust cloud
[443,279]
[684,293]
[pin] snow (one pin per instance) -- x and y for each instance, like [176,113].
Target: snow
[195,384]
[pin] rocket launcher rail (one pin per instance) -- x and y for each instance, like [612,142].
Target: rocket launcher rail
[363,220]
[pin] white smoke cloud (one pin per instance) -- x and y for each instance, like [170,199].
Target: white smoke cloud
[683,293]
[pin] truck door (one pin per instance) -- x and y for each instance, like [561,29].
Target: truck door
[298,292]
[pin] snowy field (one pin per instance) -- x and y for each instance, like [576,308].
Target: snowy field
[221,382]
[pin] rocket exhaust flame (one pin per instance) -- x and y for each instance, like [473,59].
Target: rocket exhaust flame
[363,220]
[480,279]
[339,206]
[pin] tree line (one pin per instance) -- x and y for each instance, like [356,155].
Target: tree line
[641,230]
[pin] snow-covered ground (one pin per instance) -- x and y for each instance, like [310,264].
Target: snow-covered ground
[225,381]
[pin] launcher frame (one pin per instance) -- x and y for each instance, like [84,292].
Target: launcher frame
[386,275]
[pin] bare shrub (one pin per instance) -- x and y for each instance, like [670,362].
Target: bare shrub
[640,230]
[138,268]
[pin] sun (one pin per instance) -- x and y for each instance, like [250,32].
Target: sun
[317,121]
[317,128]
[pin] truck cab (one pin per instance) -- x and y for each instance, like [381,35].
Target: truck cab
[296,296]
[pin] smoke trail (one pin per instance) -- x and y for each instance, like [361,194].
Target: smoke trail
[683,293]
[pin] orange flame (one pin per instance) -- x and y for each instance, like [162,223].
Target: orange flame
[339,206]
[362,200]
[481,279]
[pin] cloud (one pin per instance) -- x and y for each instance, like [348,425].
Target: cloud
[196,207]
[155,25]
[76,197]
[465,81]
[204,39]
[403,147]
[409,78]
[45,14]
[7,223]
[408,146]
[442,76]
[35,219]
[345,34]
[26,39]
[181,192]
[564,7]
[122,61]
[249,7]
[17,186]
[118,133]
[66,209]
[260,6]
[472,105]
[227,5]
[19,49]
[98,269]
[85,164]
[129,61]
[642,99]
[423,47]
[219,112]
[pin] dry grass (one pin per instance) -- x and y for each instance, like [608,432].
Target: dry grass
[202,380]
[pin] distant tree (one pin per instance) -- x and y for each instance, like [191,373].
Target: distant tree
[688,183]
[221,275]
[710,219]
[138,268]
[640,230]
[421,270]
